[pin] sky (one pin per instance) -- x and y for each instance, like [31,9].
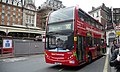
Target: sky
[85,5]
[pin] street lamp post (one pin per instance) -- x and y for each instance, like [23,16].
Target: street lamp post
[6,32]
[29,39]
[28,28]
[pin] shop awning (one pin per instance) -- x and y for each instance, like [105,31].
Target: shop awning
[20,29]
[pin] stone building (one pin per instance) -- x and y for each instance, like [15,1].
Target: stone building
[18,18]
[116,20]
[116,16]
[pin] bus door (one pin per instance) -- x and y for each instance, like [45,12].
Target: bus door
[80,48]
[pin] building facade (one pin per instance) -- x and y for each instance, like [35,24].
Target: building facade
[29,13]
[116,20]
[44,9]
[115,32]
[116,16]
[18,18]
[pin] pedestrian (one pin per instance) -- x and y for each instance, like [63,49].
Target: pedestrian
[114,46]
[115,60]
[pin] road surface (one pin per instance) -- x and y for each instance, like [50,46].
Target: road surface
[36,63]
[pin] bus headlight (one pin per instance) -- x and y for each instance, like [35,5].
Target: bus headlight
[72,61]
[70,57]
[47,56]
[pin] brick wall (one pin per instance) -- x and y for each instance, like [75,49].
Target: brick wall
[12,11]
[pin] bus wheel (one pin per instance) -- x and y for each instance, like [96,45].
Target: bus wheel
[89,57]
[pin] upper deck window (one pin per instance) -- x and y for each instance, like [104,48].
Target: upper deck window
[62,15]
[88,19]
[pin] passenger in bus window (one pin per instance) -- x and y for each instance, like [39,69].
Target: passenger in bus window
[59,43]
[84,44]
[98,49]
[65,46]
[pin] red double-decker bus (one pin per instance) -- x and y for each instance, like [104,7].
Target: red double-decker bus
[73,37]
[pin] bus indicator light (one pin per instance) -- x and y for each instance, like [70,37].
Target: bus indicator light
[75,38]
[71,61]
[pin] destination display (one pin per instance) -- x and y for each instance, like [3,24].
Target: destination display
[59,27]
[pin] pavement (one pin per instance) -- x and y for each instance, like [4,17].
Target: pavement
[11,55]
[107,67]
[4,56]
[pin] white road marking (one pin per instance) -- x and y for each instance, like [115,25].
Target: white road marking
[106,64]
[14,59]
[61,69]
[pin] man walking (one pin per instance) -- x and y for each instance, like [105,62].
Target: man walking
[114,46]
[115,60]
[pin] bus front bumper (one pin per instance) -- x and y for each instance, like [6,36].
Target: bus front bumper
[70,62]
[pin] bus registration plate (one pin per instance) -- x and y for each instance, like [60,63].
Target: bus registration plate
[58,63]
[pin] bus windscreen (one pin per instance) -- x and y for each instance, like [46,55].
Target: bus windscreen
[59,42]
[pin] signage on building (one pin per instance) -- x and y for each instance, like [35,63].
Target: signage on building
[118,33]
[7,43]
